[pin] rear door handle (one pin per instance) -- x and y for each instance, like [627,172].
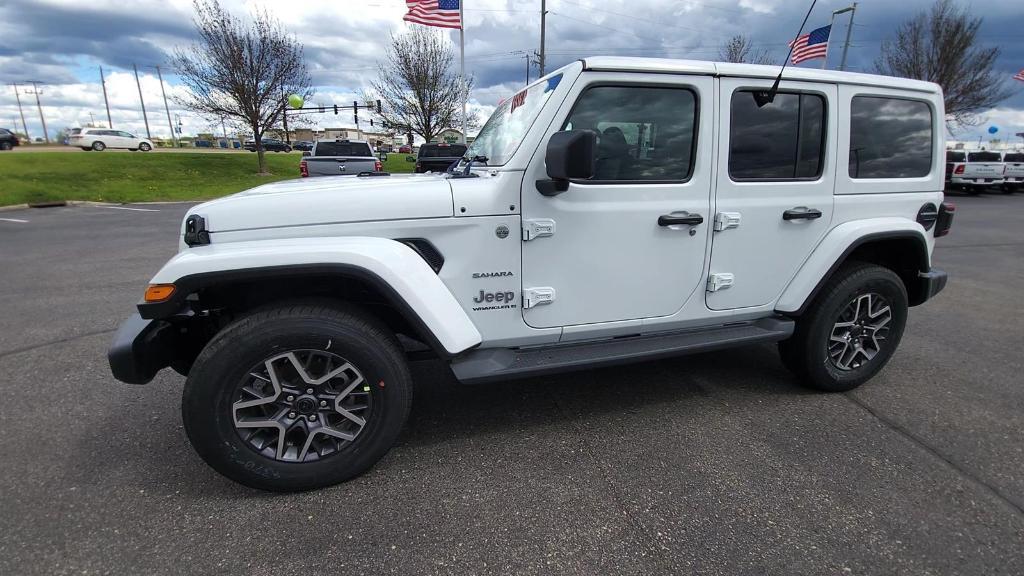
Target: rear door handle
[801,213]
[674,220]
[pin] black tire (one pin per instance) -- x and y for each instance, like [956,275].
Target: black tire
[807,353]
[215,380]
[99,146]
[5,146]
[145,147]
[288,149]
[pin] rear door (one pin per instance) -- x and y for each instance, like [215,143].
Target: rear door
[775,187]
[602,251]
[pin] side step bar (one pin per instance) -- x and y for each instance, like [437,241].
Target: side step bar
[505,363]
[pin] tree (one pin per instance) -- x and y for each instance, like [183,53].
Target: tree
[941,45]
[739,48]
[420,93]
[240,70]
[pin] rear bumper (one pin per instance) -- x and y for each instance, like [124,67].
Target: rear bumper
[141,348]
[976,181]
[932,282]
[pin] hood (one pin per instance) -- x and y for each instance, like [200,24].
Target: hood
[330,199]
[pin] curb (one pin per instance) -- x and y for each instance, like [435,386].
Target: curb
[59,203]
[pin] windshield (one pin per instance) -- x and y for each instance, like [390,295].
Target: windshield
[954,156]
[442,150]
[983,157]
[500,137]
[342,149]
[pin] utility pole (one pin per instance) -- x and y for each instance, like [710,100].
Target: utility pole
[39,106]
[849,28]
[543,22]
[525,55]
[103,81]
[22,112]
[284,117]
[170,125]
[141,101]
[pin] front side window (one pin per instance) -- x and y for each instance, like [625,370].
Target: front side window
[643,133]
[890,138]
[783,140]
[500,137]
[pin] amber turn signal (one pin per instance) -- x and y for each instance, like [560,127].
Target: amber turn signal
[159,292]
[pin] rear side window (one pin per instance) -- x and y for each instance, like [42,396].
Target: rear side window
[952,156]
[784,140]
[343,149]
[890,138]
[983,157]
[1014,158]
[436,151]
[643,133]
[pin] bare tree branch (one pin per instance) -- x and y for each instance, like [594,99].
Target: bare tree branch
[941,46]
[739,48]
[419,92]
[240,70]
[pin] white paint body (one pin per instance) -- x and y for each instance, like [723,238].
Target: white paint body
[612,270]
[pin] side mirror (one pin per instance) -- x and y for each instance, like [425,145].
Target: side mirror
[570,156]
[410,158]
[307,153]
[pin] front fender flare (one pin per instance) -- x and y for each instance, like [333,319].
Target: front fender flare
[396,270]
[836,246]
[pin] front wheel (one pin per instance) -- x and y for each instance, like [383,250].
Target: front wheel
[297,397]
[6,146]
[145,147]
[851,329]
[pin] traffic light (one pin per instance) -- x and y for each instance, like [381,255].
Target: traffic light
[355,112]
[378,107]
[335,109]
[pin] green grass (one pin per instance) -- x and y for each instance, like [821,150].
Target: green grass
[28,177]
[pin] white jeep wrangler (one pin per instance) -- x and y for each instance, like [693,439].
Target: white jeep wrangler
[616,210]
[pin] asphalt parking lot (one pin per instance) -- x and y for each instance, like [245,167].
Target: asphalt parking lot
[717,464]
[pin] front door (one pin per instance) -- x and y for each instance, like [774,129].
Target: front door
[629,243]
[775,187]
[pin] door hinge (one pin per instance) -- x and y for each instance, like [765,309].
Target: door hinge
[726,220]
[537,296]
[720,281]
[538,228]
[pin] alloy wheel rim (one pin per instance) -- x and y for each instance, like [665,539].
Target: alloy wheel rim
[301,405]
[860,332]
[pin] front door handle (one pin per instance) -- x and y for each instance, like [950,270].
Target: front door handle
[801,213]
[674,220]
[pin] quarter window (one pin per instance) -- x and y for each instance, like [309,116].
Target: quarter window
[783,140]
[890,138]
[643,133]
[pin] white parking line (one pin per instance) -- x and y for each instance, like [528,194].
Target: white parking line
[127,208]
[15,220]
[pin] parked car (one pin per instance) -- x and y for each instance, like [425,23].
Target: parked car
[1014,173]
[99,139]
[596,232]
[339,158]
[955,159]
[438,157]
[302,145]
[405,149]
[8,139]
[269,145]
[978,171]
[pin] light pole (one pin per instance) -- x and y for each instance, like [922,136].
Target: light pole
[174,141]
[141,101]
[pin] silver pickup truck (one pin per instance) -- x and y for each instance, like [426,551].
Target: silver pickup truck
[338,158]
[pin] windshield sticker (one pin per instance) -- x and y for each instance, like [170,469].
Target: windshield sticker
[517,101]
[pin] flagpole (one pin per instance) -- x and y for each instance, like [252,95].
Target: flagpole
[462,67]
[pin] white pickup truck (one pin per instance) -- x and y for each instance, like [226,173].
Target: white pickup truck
[614,211]
[1014,172]
[976,170]
[339,158]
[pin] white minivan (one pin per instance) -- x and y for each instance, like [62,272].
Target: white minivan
[99,139]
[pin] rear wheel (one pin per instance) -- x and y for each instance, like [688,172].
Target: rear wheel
[99,146]
[5,146]
[851,329]
[297,397]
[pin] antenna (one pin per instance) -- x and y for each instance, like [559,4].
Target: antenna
[762,97]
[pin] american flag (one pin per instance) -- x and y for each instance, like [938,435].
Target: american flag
[440,13]
[1019,75]
[811,46]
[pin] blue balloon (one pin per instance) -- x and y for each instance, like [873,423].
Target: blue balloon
[992,129]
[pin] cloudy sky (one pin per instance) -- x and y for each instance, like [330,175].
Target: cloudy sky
[62,43]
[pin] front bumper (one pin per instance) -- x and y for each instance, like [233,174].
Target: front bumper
[932,282]
[141,348]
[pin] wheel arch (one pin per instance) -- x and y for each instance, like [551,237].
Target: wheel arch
[903,249]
